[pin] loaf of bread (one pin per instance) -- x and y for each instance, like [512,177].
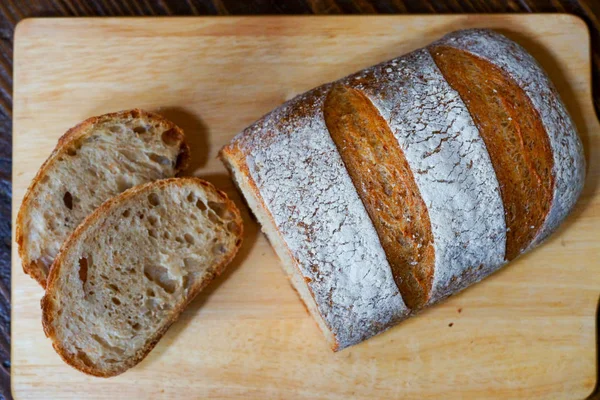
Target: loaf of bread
[400,185]
[94,161]
[128,271]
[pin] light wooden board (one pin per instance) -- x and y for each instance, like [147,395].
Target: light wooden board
[526,332]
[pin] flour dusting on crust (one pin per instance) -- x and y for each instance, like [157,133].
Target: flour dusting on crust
[569,163]
[304,185]
[450,163]
[306,188]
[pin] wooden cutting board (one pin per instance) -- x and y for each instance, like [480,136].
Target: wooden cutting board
[526,332]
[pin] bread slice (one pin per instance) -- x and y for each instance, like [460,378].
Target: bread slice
[93,161]
[128,271]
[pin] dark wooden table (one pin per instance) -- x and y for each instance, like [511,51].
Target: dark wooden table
[12,11]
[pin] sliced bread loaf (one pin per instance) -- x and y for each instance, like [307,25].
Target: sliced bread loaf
[93,161]
[128,271]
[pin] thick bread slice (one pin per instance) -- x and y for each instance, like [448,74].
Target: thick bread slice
[128,271]
[93,161]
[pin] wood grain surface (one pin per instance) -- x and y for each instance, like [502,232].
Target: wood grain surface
[526,332]
[12,11]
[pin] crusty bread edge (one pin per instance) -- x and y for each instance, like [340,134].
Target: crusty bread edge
[48,306]
[234,159]
[75,133]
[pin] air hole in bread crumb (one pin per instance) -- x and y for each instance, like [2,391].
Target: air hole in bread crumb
[191,197]
[127,213]
[83,270]
[107,345]
[151,304]
[179,239]
[213,218]
[166,235]
[68,200]
[157,158]
[153,199]
[152,233]
[233,227]
[116,301]
[221,210]
[150,293]
[114,288]
[160,276]
[152,219]
[136,326]
[72,151]
[84,358]
[140,129]
[123,183]
[191,264]
[116,129]
[200,204]
[189,238]
[51,223]
[170,137]
[219,249]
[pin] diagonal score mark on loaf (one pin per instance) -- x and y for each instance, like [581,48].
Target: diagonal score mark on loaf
[386,186]
[450,164]
[312,201]
[514,136]
[567,150]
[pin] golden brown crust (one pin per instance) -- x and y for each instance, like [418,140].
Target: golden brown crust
[64,142]
[514,135]
[385,183]
[47,304]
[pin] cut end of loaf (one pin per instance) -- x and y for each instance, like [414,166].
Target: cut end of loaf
[231,157]
[94,161]
[129,270]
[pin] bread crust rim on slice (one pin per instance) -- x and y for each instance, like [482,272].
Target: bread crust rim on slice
[68,137]
[47,305]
